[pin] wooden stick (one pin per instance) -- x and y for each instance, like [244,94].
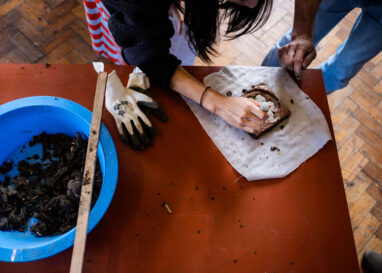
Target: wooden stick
[88,178]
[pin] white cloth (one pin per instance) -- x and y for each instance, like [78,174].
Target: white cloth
[305,131]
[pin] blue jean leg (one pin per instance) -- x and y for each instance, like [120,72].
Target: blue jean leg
[363,43]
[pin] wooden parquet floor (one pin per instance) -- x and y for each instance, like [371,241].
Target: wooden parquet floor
[34,31]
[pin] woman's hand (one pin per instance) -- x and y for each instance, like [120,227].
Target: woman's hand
[240,112]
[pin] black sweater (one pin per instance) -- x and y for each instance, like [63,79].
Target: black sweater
[143,30]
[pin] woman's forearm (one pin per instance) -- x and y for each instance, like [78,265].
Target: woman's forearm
[239,112]
[185,84]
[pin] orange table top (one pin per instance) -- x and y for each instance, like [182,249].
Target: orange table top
[220,222]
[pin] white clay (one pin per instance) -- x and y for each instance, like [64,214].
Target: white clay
[267,106]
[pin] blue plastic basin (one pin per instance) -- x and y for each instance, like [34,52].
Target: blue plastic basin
[22,119]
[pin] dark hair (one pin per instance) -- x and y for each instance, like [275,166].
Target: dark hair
[204,18]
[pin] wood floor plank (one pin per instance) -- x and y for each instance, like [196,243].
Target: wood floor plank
[376,211]
[365,231]
[368,99]
[32,17]
[337,98]
[13,56]
[368,78]
[81,29]
[367,120]
[374,155]
[369,136]
[39,7]
[374,191]
[30,32]
[378,233]
[58,52]
[5,45]
[377,72]
[54,3]
[378,88]
[82,48]
[353,143]
[59,24]
[57,39]
[61,10]
[345,130]
[342,111]
[79,12]
[374,172]
[356,188]
[9,6]
[360,210]
[32,53]
[351,168]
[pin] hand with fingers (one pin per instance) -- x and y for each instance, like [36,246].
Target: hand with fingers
[240,112]
[131,110]
[297,55]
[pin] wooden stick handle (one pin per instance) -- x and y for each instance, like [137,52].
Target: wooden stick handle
[88,178]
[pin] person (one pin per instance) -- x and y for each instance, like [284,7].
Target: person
[364,41]
[143,34]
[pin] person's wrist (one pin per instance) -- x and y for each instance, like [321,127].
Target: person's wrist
[296,35]
[210,100]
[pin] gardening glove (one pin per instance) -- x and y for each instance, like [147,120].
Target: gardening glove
[138,80]
[131,110]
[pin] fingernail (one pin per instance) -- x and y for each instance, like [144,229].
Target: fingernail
[298,76]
